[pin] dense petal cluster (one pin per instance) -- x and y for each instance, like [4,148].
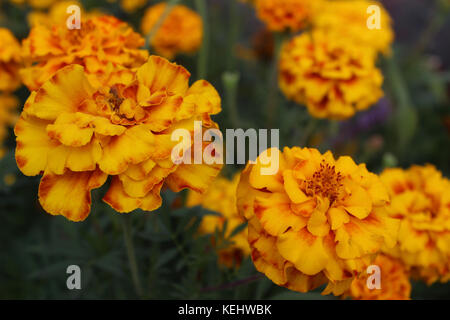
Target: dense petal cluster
[77,135]
[317,220]
[221,198]
[180,32]
[329,74]
[394,282]
[286,15]
[421,200]
[101,44]
[10,61]
[8,116]
[350,19]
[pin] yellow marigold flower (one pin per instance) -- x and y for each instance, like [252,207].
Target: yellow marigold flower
[181,31]
[331,75]
[349,19]
[101,44]
[421,199]
[317,220]
[221,198]
[8,105]
[394,281]
[10,59]
[77,135]
[282,15]
[38,4]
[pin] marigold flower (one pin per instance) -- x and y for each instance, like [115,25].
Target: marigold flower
[394,281]
[349,19]
[38,4]
[317,220]
[77,134]
[420,199]
[8,105]
[132,5]
[10,60]
[282,15]
[331,75]
[221,198]
[181,31]
[101,44]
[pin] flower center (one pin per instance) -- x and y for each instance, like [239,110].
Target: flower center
[114,100]
[325,182]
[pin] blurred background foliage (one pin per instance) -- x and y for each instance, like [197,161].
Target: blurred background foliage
[411,124]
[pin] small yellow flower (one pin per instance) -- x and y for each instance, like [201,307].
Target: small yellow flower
[330,74]
[10,61]
[77,135]
[221,198]
[181,31]
[421,199]
[317,220]
[101,44]
[8,105]
[291,15]
[394,282]
[349,19]
[132,5]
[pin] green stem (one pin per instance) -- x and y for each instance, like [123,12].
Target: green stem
[126,223]
[158,24]
[202,62]
[230,82]
[233,35]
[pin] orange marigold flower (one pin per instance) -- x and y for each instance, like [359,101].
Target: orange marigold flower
[8,117]
[420,198]
[101,44]
[77,134]
[10,60]
[349,19]
[394,282]
[221,198]
[282,15]
[181,31]
[331,75]
[317,220]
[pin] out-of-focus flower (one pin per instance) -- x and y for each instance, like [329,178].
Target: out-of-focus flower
[77,135]
[394,282]
[101,44]
[221,198]
[317,220]
[331,75]
[180,32]
[287,15]
[38,4]
[10,60]
[8,117]
[349,19]
[132,5]
[9,179]
[420,198]
[57,15]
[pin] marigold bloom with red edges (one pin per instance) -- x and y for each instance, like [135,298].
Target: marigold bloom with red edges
[221,198]
[331,75]
[77,135]
[101,44]
[421,200]
[349,19]
[8,116]
[287,15]
[10,61]
[180,32]
[394,282]
[316,221]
